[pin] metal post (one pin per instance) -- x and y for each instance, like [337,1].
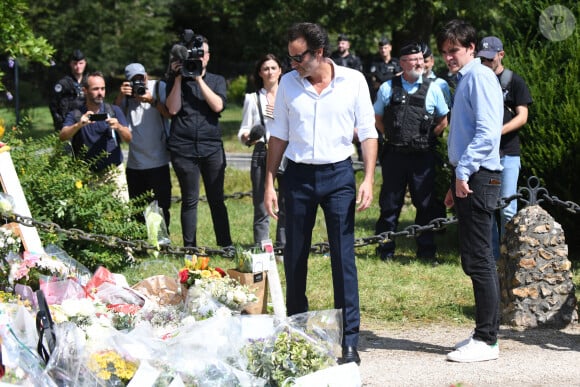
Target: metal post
[16,93]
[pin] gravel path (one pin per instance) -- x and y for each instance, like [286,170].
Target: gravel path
[416,357]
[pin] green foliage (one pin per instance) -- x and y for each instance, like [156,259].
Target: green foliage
[63,190]
[17,39]
[111,34]
[551,138]
[237,89]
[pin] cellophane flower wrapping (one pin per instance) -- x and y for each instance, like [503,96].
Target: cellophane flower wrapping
[18,337]
[224,291]
[156,228]
[116,333]
[301,345]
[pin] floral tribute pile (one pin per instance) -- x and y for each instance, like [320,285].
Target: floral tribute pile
[182,330]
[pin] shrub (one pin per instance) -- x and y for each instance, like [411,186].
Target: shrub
[237,90]
[551,138]
[62,189]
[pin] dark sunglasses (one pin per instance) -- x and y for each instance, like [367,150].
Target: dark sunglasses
[300,57]
[485,59]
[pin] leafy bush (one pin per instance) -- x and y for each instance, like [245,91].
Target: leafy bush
[62,189]
[237,90]
[551,138]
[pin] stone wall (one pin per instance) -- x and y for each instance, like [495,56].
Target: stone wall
[534,271]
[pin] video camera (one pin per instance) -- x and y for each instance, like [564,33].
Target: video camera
[189,52]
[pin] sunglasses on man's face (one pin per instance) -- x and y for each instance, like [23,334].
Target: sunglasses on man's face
[485,59]
[298,58]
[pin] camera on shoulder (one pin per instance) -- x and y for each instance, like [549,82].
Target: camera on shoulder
[189,53]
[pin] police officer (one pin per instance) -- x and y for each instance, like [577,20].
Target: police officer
[383,67]
[68,92]
[343,57]
[411,112]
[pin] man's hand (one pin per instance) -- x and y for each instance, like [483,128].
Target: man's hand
[126,89]
[271,202]
[462,189]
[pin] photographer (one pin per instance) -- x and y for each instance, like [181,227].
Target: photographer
[195,102]
[143,102]
[100,127]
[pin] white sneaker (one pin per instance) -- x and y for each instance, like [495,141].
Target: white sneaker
[474,351]
[464,342]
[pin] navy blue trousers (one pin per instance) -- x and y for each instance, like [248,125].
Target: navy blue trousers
[333,188]
[416,170]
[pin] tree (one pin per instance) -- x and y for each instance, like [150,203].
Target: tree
[17,40]
[111,33]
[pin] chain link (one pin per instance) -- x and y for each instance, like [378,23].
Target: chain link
[536,195]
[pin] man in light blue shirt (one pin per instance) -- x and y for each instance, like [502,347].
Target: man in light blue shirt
[411,112]
[318,106]
[473,147]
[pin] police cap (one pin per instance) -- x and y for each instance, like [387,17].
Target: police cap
[410,48]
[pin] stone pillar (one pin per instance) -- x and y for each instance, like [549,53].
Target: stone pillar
[534,271]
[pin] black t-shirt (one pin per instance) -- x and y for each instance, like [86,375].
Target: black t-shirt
[195,129]
[517,94]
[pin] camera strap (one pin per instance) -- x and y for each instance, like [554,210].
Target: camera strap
[260,109]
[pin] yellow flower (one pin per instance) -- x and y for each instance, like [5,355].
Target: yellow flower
[79,184]
[2,128]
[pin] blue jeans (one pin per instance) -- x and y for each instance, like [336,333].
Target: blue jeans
[474,215]
[509,186]
[333,188]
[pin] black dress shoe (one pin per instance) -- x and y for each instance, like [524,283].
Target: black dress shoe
[349,355]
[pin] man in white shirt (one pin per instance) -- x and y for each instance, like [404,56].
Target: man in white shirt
[318,106]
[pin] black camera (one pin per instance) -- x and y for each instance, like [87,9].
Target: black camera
[139,87]
[189,52]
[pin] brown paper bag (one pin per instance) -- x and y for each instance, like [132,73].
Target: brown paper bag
[256,282]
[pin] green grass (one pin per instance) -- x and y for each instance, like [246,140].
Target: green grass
[395,294]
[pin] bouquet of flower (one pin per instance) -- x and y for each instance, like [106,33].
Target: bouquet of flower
[289,354]
[9,241]
[81,312]
[32,268]
[228,291]
[196,268]
[110,367]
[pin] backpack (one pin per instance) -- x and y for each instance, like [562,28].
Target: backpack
[505,80]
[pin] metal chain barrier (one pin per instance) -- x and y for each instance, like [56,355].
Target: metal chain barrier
[534,192]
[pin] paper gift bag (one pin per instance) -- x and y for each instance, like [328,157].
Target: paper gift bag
[257,283]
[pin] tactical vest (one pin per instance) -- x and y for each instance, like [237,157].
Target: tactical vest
[407,123]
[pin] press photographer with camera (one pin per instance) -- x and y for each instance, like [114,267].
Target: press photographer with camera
[98,127]
[143,102]
[195,101]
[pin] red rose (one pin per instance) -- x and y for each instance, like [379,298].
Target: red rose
[183,276]
[219,270]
